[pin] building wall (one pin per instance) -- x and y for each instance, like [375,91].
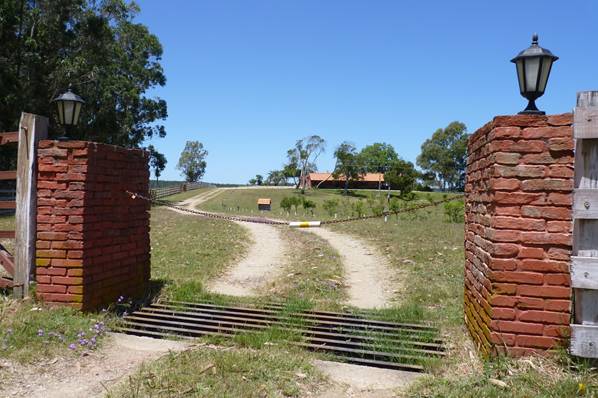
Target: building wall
[518,204]
[92,236]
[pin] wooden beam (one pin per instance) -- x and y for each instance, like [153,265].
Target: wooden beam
[32,129]
[584,272]
[8,175]
[5,283]
[7,138]
[7,234]
[585,204]
[584,341]
[8,204]
[7,261]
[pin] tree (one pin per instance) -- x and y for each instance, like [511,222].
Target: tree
[402,176]
[276,177]
[304,155]
[157,161]
[348,164]
[192,161]
[378,156]
[259,179]
[445,156]
[111,61]
[252,181]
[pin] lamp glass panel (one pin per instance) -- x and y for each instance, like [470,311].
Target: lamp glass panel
[77,111]
[60,109]
[532,68]
[69,112]
[520,75]
[544,73]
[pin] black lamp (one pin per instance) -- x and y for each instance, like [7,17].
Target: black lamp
[69,108]
[533,68]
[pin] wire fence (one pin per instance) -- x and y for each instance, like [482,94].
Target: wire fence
[263,220]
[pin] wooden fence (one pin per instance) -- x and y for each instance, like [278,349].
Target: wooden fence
[20,265]
[584,260]
[158,193]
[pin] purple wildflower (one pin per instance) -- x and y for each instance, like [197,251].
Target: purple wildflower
[72,346]
[40,332]
[120,299]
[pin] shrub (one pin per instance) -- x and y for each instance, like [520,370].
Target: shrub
[455,211]
[330,205]
[358,208]
[308,205]
[376,206]
[286,203]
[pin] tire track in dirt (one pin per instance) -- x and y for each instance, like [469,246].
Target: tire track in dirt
[262,264]
[367,274]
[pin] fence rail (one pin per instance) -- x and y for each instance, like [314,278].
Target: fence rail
[157,193]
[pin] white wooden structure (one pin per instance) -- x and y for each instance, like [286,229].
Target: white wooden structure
[584,261]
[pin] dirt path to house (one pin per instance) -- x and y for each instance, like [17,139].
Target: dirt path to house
[88,376]
[367,274]
[263,263]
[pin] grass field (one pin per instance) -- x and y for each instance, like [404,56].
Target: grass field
[187,251]
[243,201]
[427,251]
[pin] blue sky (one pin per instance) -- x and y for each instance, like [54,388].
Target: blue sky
[249,78]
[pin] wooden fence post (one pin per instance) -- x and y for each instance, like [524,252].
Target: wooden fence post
[32,129]
[584,260]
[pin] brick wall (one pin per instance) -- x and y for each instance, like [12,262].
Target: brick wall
[518,204]
[92,238]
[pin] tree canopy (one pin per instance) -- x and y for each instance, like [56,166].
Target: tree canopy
[444,155]
[157,161]
[348,163]
[378,156]
[96,46]
[402,176]
[192,162]
[303,156]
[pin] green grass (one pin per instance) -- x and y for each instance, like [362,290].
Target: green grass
[244,202]
[187,251]
[186,195]
[30,332]
[204,372]
[7,223]
[313,276]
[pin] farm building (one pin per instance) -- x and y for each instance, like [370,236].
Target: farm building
[264,204]
[327,180]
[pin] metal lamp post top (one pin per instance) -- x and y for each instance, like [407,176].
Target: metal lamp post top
[535,51]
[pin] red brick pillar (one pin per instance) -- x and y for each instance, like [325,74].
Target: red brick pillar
[518,205]
[92,237]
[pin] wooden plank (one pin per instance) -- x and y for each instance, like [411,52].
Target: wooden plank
[586,123]
[7,138]
[32,129]
[8,175]
[7,261]
[586,164]
[584,341]
[585,236]
[7,234]
[585,204]
[8,204]
[584,272]
[584,262]
[5,283]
